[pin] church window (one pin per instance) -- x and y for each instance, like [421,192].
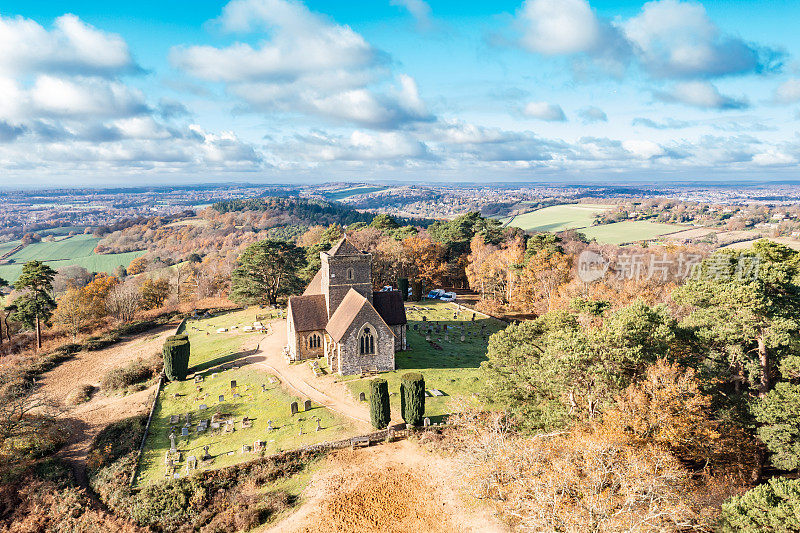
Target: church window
[367,343]
[314,341]
[350,274]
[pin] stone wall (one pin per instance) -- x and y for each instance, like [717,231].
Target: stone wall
[350,360]
[303,350]
[399,337]
[335,284]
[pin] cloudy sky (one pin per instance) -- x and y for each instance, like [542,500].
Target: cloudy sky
[285,91]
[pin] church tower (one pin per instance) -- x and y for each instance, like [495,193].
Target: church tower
[344,267]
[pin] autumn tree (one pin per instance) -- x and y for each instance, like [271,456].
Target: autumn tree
[154,292]
[266,271]
[124,301]
[424,259]
[137,266]
[36,304]
[72,311]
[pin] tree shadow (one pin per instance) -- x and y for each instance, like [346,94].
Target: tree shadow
[243,355]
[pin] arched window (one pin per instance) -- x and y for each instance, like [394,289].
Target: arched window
[367,343]
[314,341]
[350,274]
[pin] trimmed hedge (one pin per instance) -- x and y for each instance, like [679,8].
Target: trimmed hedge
[379,411]
[176,357]
[412,398]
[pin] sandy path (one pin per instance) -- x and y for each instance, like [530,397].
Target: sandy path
[456,510]
[89,418]
[300,379]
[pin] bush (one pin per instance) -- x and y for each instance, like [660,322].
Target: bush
[138,371]
[176,357]
[379,411]
[79,395]
[115,441]
[773,506]
[412,398]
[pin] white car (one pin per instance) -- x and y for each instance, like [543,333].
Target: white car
[448,297]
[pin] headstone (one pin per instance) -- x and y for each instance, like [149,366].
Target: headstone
[258,445]
[269,425]
[233,384]
[184,432]
[174,419]
[462,338]
[362,397]
[307,405]
[245,448]
[263,387]
[318,425]
[203,407]
[191,463]
[294,408]
[426,422]
[205,452]
[172,448]
[198,378]
[166,458]
[221,398]
[236,395]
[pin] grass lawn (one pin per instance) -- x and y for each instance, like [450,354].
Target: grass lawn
[454,369]
[629,231]
[76,250]
[558,217]
[260,399]
[352,191]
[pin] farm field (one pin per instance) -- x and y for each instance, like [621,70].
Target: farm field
[629,231]
[261,398]
[454,369]
[352,191]
[558,217]
[76,250]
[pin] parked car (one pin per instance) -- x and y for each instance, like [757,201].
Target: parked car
[435,294]
[448,297]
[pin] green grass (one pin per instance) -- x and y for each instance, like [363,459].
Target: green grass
[77,250]
[454,369]
[629,231]
[352,191]
[557,217]
[210,349]
[8,246]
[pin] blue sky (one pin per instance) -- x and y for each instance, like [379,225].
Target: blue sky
[286,91]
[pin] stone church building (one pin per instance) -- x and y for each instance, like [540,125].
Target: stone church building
[341,317]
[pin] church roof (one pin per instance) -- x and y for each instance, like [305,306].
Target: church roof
[346,313]
[315,287]
[309,312]
[389,304]
[344,247]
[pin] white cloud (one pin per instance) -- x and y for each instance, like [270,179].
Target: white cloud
[788,92]
[643,149]
[701,94]
[419,9]
[544,111]
[554,27]
[71,47]
[592,114]
[308,65]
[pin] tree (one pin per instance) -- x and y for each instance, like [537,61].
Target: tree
[267,270]
[72,311]
[384,222]
[379,411]
[96,293]
[744,311]
[176,357]
[772,506]
[124,301]
[3,284]
[412,398]
[779,412]
[137,266]
[154,293]
[37,304]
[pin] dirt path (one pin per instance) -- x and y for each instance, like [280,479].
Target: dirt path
[88,368]
[357,489]
[300,379]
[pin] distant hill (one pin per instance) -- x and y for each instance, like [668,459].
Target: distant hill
[312,211]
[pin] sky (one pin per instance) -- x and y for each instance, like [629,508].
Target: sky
[282,91]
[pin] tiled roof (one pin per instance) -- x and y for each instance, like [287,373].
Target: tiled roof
[389,304]
[309,312]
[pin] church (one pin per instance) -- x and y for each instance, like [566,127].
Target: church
[341,317]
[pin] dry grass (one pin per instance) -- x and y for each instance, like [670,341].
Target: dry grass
[79,395]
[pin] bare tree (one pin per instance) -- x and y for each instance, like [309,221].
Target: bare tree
[124,301]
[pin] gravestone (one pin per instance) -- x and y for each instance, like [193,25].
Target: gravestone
[172,448]
[221,398]
[191,463]
[166,458]
[362,397]
[258,445]
[294,408]
[426,422]
[463,338]
[205,452]
[424,318]
[318,425]
[263,387]
[269,425]
[184,432]
[307,405]
[174,419]
[236,395]
[198,378]
[245,448]
[233,384]
[203,407]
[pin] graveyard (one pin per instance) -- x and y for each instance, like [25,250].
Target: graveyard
[228,410]
[447,347]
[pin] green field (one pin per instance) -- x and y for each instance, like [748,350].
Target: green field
[557,217]
[8,246]
[454,369]
[261,405]
[629,231]
[77,250]
[352,191]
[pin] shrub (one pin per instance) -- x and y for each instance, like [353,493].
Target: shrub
[412,398]
[79,395]
[176,357]
[138,371]
[772,506]
[379,411]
